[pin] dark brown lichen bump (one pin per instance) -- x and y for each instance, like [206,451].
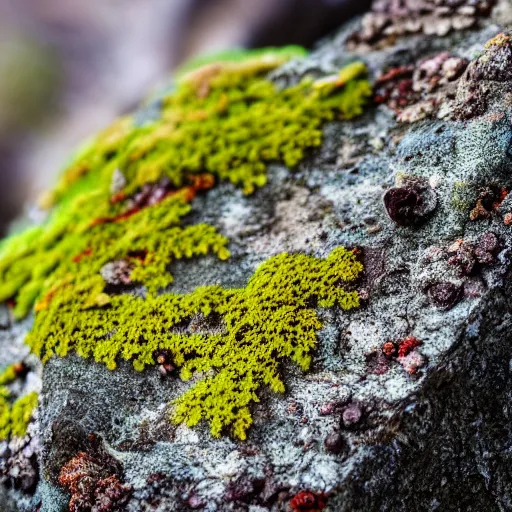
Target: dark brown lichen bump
[411,202]
[445,294]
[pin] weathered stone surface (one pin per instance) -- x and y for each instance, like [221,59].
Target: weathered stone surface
[407,405]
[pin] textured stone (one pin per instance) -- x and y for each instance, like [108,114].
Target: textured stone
[406,407]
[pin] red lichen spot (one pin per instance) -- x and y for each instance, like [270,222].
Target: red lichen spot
[117,198]
[389,349]
[123,216]
[153,193]
[307,501]
[395,73]
[507,219]
[92,485]
[79,257]
[394,88]
[407,345]
[202,181]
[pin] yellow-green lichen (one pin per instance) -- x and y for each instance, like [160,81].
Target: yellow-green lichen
[271,319]
[228,120]
[224,121]
[15,416]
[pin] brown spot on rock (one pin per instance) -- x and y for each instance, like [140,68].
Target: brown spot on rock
[411,203]
[335,443]
[445,294]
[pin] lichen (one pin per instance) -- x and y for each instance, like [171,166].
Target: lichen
[241,122]
[389,19]
[123,200]
[94,484]
[271,319]
[14,415]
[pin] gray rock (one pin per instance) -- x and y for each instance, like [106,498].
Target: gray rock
[423,423]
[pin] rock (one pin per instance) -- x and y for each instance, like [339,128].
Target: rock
[405,406]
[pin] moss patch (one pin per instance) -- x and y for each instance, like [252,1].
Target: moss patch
[14,415]
[271,319]
[122,201]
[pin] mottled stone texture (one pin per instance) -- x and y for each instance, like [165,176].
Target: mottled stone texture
[407,405]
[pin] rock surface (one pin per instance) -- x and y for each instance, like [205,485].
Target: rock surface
[407,404]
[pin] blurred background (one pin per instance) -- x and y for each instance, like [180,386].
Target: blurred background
[69,67]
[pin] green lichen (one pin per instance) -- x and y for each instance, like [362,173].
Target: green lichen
[8,375]
[271,319]
[241,55]
[15,416]
[224,122]
[227,120]
[461,196]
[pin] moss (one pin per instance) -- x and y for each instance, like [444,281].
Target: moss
[271,319]
[234,55]
[124,198]
[15,417]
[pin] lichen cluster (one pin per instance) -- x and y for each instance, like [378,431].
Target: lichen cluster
[269,320]
[94,483]
[14,415]
[123,199]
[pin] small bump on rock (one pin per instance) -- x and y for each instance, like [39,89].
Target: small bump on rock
[411,202]
[445,295]
[352,415]
[334,443]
